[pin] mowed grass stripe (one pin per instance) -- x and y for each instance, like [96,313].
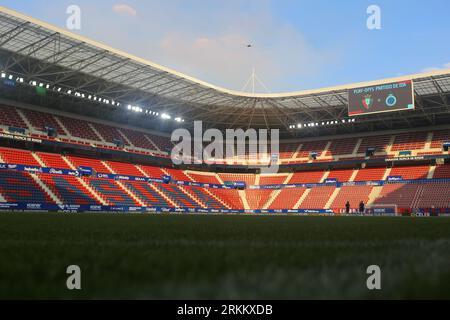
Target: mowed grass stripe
[232,257]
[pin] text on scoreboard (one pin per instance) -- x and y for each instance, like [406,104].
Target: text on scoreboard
[381,98]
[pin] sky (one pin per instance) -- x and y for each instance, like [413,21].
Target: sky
[296,44]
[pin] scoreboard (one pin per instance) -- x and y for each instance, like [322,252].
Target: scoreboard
[386,97]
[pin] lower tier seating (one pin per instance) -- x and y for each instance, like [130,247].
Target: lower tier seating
[39,187]
[111,192]
[21,187]
[354,195]
[68,189]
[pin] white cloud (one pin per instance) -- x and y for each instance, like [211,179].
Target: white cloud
[211,44]
[431,69]
[278,51]
[124,9]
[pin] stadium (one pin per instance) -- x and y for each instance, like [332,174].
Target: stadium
[86,174]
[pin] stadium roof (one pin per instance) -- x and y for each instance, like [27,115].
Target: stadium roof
[43,52]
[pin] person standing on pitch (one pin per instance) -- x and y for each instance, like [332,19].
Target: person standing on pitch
[347,207]
[361,207]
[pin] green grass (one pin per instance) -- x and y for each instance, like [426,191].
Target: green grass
[228,257]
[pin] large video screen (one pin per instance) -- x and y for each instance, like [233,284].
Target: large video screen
[381,98]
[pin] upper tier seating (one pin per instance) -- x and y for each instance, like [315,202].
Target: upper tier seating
[92,132]
[138,139]
[439,137]
[410,141]
[311,146]
[342,146]
[40,120]
[287,150]
[109,133]
[442,172]
[10,118]
[79,128]
[378,142]
[163,143]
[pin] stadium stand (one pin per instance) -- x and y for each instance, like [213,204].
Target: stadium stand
[307,177]
[40,120]
[380,143]
[311,146]
[95,164]
[79,129]
[400,194]
[148,194]
[10,117]
[411,172]
[353,194]
[111,192]
[341,175]
[122,168]
[342,146]
[439,137]
[17,156]
[287,198]
[257,198]
[21,187]
[249,179]
[70,190]
[409,141]
[442,172]
[370,174]
[272,179]
[324,160]
[50,188]
[318,197]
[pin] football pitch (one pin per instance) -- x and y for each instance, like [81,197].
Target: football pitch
[222,257]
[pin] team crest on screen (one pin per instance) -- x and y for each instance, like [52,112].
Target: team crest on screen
[367,101]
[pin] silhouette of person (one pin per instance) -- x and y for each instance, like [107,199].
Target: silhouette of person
[347,207]
[361,207]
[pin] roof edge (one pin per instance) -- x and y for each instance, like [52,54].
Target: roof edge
[281,95]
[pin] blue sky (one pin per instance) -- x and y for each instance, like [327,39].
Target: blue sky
[296,44]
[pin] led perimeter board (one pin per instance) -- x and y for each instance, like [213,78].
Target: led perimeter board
[386,97]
